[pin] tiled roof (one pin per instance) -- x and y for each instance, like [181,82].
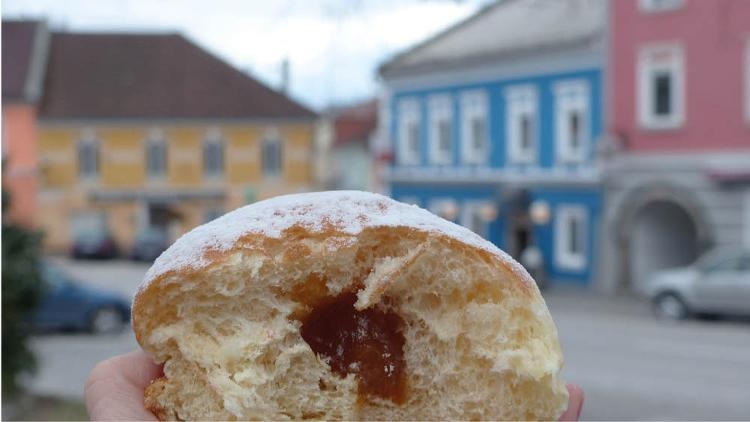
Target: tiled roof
[501,30]
[20,39]
[163,76]
[355,124]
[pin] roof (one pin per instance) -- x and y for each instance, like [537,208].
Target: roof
[123,76]
[501,30]
[23,54]
[355,124]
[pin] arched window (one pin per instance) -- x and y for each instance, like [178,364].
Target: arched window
[88,156]
[156,155]
[213,154]
[271,154]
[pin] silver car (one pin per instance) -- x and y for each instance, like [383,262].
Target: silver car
[718,283]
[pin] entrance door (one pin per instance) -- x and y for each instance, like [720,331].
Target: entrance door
[519,234]
[663,236]
[163,218]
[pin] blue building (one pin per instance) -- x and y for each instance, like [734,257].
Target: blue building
[494,122]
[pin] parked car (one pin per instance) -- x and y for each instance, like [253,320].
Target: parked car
[98,244]
[68,305]
[149,244]
[717,284]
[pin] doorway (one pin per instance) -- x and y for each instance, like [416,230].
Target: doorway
[663,236]
[519,234]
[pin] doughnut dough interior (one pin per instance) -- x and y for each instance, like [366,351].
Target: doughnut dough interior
[345,305]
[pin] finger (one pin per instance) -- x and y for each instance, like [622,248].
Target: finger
[575,403]
[114,389]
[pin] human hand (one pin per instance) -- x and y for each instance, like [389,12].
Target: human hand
[575,403]
[114,389]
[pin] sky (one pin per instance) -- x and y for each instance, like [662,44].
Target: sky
[333,46]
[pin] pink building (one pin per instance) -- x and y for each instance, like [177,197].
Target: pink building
[677,161]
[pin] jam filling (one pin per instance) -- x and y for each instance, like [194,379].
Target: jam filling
[367,343]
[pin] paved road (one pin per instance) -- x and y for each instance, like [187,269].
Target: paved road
[631,366]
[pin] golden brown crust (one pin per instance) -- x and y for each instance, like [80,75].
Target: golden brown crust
[151,402]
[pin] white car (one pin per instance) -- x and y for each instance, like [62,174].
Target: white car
[718,283]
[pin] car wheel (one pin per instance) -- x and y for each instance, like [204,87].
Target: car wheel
[106,321]
[670,306]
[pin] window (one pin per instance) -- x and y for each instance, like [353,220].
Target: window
[747,220]
[156,155]
[271,155]
[661,85]
[408,132]
[474,131]
[441,129]
[725,262]
[653,6]
[213,154]
[571,120]
[88,156]
[570,237]
[521,124]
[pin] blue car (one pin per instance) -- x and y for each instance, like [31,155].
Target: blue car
[67,305]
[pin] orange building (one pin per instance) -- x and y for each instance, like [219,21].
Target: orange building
[24,53]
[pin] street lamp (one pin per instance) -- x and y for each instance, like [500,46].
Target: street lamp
[540,212]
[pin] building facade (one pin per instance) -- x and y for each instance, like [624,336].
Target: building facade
[678,152]
[352,159]
[494,124]
[24,61]
[141,131]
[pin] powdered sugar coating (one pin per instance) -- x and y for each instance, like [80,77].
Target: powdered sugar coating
[347,211]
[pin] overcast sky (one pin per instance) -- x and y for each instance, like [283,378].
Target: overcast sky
[333,46]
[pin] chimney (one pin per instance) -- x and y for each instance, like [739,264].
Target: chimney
[284,88]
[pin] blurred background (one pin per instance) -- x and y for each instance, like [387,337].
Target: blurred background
[604,144]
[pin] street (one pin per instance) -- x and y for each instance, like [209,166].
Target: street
[629,365]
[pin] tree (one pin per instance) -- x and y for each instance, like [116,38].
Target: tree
[21,290]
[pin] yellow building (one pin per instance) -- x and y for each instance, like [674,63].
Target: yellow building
[149,131]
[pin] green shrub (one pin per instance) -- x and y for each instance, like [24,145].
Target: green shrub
[21,290]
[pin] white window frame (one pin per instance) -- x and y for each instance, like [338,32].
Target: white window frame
[272,138]
[156,139]
[409,113]
[564,258]
[213,138]
[474,105]
[661,58]
[658,6]
[572,96]
[88,139]
[472,210]
[440,110]
[521,100]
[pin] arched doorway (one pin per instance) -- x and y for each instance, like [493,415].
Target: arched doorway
[664,235]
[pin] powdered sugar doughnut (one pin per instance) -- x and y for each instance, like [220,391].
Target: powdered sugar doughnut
[345,305]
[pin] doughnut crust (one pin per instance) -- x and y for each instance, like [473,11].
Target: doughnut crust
[345,305]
